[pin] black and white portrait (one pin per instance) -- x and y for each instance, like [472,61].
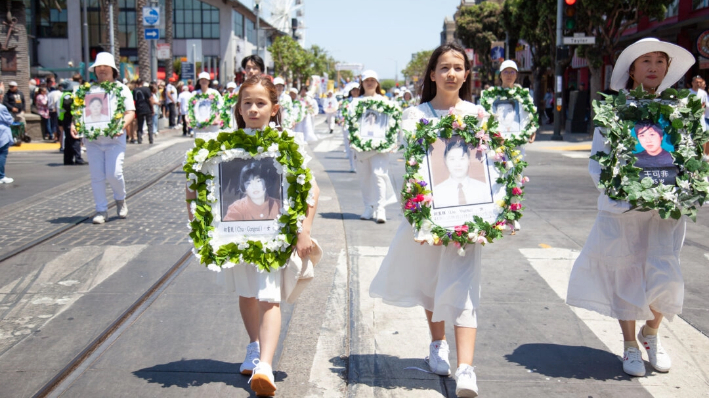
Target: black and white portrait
[203,110]
[373,125]
[507,114]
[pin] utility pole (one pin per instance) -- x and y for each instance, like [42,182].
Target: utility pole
[154,53]
[87,61]
[558,73]
[111,38]
[257,8]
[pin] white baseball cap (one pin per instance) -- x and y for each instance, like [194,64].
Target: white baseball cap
[203,75]
[293,90]
[279,80]
[12,84]
[104,59]
[369,73]
[508,64]
[231,85]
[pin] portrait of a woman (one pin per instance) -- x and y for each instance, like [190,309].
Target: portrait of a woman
[255,203]
[95,110]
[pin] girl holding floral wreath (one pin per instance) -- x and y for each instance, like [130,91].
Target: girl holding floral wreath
[439,279]
[105,154]
[629,268]
[373,166]
[207,108]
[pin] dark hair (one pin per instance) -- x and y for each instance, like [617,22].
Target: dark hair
[409,93]
[428,90]
[456,143]
[361,88]
[349,95]
[266,82]
[256,60]
[255,169]
[96,99]
[153,88]
[631,69]
[76,77]
[647,124]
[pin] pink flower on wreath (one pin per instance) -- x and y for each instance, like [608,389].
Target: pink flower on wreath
[516,191]
[460,229]
[412,162]
[458,126]
[498,157]
[428,198]
[481,147]
[525,179]
[194,102]
[451,110]
[480,239]
[482,136]
[418,198]
[211,96]
[409,205]
[481,113]
[516,206]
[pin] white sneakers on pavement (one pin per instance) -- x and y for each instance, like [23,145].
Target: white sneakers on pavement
[380,215]
[121,208]
[253,352]
[368,213]
[100,217]
[633,362]
[658,358]
[437,358]
[262,381]
[466,383]
[6,180]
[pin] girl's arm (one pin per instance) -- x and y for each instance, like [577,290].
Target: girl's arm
[305,244]
[190,195]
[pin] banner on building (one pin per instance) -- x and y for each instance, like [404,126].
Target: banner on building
[523,56]
[163,51]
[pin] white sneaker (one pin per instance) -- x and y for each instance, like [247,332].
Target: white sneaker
[656,355]
[466,383]
[368,213]
[6,180]
[253,352]
[633,362]
[262,380]
[100,218]
[121,208]
[437,358]
[380,215]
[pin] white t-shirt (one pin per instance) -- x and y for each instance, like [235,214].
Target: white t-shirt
[170,89]
[53,100]
[184,101]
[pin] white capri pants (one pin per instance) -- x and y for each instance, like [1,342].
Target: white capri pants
[373,173]
[105,156]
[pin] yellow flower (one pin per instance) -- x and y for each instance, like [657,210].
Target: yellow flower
[436,239]
[78,101]
[500,203]
[500,227]
[498,150]
[78,125]
[87,85]
[484,126]
[515,153]
[118,116]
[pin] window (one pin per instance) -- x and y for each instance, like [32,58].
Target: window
[50,21]
[238,24]
[672,9]
[250,31]
[127,31]
[697,4]
[195,20]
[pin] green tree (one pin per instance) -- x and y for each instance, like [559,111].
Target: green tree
[288,57]
[417,66]
[477,26]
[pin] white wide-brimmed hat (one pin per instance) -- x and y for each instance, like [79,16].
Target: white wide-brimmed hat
[369,73]
[104,59]
[508,64]
[279,80]
[350,86]
[231,85]
[680,62]
[203,75]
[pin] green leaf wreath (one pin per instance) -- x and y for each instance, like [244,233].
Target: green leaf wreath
[521,95]
[416,194]
[226,113]
[357,109]
[192,120]
[115,126]
[201,167]
[297,111]
[679,114]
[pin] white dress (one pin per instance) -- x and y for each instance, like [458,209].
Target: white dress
[306,126]
[630,262]
[433,277]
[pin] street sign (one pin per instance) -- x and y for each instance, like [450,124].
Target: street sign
[151,16]
[152,33]
[163,51]
[580,40]
[187,70]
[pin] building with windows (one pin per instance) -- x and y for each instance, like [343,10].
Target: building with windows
[221,32]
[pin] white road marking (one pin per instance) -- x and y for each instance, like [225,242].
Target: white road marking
[577,155]
[706,255]
[688,348]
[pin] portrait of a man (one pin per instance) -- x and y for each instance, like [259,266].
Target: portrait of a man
[508,116]
[374,124]
[250,190]
[459,175]
[652,153]
[203,110]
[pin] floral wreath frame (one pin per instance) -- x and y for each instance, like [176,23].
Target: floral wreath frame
[416,195]
[679,115]
[225,115]
[297,111]
[115,126]
[354,114]
[266,253]
[213,118]
[521,95]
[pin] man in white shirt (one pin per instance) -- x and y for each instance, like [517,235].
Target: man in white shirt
[170,99]
[184,100]
[53,105]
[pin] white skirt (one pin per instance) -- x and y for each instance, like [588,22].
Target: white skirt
[306,127]
[630,264]
[435,278]
[246,281]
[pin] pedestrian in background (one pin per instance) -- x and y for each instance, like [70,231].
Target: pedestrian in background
[155,103]
[330,106]
[170,99]
[143,110]
[41,101]
[72,143]
[252,65]
[549,105]
[53,98]
[14,100]
[184,100]
[6,120]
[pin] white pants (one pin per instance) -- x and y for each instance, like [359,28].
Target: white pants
[349,151]
[373,174]
[331,120]
[105,156]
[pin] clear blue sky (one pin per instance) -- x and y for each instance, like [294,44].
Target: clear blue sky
[381,34]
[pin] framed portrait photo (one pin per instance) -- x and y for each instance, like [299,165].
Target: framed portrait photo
[507,113]
[653,153]
[203,110]
[373,125]
[462,183]
[97,111]
[514,112]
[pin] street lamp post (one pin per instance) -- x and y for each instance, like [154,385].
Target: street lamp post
[558,74]
[257,8]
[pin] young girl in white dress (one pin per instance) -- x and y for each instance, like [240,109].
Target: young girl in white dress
[260,293]
[437,278]
[629,267]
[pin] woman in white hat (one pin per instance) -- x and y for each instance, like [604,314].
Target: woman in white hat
[105,154]
[286,103]
[203,108]
[373,166]
[629,267]
[511,115]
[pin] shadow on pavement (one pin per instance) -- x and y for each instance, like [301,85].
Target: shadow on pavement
[340,171]
[389,372]
[65,220]
[571,362]
[339,216]
[197,372]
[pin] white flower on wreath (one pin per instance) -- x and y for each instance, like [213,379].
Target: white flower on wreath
[193,207]
[228,264]
[301,179]
[461,252]
[311,199]
[424,233]
[201,155]
[214,267]
[243,246]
